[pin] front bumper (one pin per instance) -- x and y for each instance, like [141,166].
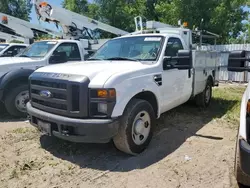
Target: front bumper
[75,130]
[244,156]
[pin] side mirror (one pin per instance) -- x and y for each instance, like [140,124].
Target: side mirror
[237,61]
[183,61]
[58,57]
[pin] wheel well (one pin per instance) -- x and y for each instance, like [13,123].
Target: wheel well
[210,78]
[149,97]
[15,82]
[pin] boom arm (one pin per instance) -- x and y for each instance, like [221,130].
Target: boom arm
[8,38]
[20,28]
[74,26]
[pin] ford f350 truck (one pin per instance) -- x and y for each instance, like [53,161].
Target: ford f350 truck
[122,89]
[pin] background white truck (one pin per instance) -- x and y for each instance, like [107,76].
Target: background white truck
[11,49]
[14,71]
[120,91]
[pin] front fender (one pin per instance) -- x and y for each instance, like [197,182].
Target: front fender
[129,88]
[11,76]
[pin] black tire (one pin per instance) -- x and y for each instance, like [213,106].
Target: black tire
[241,177]
[2,108]
[10,100]
[201,99]
[124,139]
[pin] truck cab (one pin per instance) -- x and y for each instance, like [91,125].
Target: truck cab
[11,49]
[119,92]
[14,71]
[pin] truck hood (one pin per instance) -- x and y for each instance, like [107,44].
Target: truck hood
[15,60]
[95,70]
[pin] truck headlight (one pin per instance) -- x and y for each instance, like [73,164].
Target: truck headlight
[102,102]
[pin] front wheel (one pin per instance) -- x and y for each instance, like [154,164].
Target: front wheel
[16,100]
[135,131]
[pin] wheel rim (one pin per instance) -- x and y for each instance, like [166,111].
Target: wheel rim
[141,128]
[208,94]
[21,100]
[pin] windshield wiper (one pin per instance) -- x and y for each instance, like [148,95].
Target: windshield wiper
[94,59]
[121,58]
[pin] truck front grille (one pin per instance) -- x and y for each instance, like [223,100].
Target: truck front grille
[61,97]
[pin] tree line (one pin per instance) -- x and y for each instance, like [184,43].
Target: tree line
[223,17]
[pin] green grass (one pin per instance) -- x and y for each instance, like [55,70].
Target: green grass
[228,101]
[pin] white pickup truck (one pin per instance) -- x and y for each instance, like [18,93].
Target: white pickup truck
[15,71]
[122,89]
[239,62]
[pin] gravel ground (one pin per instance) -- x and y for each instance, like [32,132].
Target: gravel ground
[191,147]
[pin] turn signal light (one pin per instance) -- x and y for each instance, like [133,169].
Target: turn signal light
[5,19]
[103,93]
[185,24]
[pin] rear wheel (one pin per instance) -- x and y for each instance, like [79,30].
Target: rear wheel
[204,98]
[241,177]
[135,131]
[16,100]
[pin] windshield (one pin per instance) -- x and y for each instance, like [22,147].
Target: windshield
[140,48]
[2,46]
[38,49]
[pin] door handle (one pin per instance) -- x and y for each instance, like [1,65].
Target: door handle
[158,79]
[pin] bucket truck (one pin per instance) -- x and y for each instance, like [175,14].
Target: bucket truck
[77,44]
[22,29]
[12,28]
[74,26]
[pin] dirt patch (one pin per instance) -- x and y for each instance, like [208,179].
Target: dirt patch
[191,147]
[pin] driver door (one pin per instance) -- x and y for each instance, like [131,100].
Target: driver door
[173,80]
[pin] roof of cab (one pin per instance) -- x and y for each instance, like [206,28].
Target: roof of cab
[58,40]
[12,44]
[19,44]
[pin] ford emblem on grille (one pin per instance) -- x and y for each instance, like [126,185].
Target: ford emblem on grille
[45,94]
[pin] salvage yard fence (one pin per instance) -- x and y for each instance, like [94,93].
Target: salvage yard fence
[225,50]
